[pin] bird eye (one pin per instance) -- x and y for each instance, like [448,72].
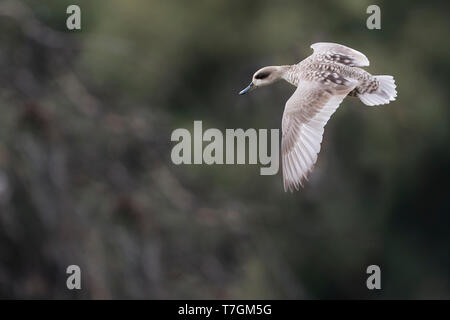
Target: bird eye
[262,75]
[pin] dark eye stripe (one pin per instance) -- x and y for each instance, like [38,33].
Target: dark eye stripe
[262,75]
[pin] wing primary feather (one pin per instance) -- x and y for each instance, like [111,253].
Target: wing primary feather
[306,113]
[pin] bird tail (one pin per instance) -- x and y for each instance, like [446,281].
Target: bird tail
[383,94]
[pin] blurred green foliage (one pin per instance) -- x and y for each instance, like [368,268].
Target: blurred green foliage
[86,176]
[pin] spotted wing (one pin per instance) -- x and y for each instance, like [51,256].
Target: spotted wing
[340,54]
[305,115]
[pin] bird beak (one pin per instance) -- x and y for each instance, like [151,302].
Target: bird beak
[250,87]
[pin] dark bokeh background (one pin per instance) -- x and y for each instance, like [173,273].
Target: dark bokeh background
[86,176]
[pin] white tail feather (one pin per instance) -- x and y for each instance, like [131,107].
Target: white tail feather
[385,93]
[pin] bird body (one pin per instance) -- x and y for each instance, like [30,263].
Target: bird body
[323,80]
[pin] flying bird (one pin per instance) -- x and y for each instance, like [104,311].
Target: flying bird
[323,80]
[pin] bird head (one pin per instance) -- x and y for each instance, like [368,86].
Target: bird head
[263,77]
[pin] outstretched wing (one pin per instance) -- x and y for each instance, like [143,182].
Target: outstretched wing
[306,113]
[340,54]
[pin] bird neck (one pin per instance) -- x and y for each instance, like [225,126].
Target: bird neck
[288,74]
